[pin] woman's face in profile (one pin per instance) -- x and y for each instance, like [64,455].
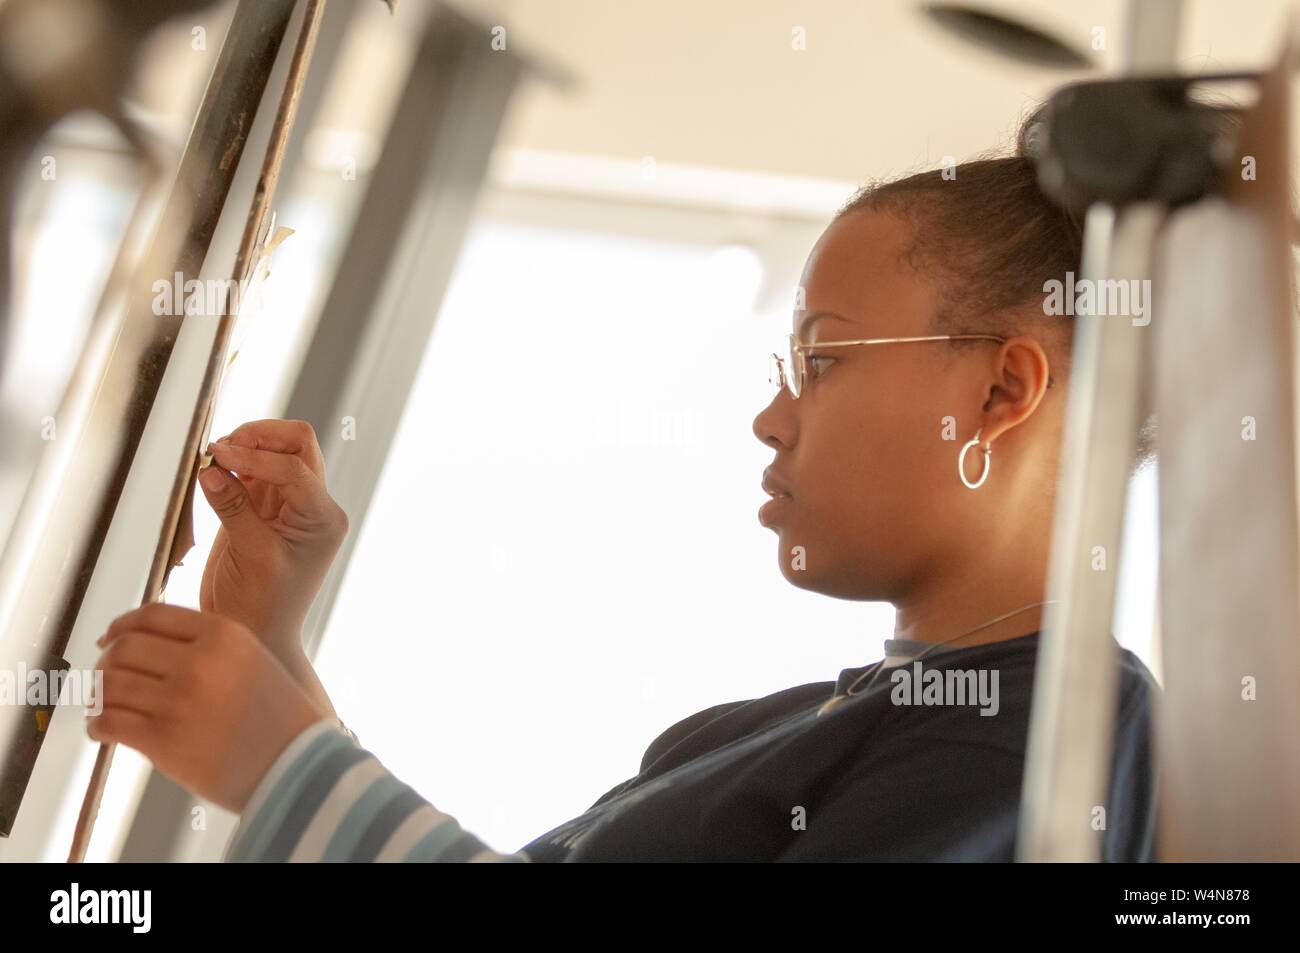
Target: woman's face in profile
[873,492]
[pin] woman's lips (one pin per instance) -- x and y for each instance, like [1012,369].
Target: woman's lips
[773,486]
[769,511]
[780,496]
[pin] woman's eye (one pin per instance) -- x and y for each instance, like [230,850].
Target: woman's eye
[818,365]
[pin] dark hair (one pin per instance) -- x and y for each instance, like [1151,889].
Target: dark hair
[993,239]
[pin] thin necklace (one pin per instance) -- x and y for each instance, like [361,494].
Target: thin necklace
[879,667]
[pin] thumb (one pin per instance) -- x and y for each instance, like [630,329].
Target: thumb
[229,500]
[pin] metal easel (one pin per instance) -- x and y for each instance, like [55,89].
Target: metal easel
[1144,158]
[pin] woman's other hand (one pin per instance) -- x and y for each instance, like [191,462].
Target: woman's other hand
[201,697]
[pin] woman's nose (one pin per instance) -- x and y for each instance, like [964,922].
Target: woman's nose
[774,425]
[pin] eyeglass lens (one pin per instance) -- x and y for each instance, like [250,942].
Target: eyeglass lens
[783,370]
[793,366]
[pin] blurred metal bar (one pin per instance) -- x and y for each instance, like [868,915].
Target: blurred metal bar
[400,257]
[1151,43]
[1075,680]
[1072,722]
[1230,566]
[65,541]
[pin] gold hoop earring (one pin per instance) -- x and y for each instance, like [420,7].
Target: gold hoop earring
[961,462]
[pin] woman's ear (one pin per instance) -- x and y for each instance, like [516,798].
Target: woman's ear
[1021,376]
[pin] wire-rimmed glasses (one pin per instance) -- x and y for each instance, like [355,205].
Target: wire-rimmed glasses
[796,357]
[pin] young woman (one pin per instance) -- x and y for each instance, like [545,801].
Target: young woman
[915,439]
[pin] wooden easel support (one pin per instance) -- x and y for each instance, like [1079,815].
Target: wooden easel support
[65,545]
[187,469]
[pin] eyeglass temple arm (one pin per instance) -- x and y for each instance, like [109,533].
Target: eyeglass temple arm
[933,337]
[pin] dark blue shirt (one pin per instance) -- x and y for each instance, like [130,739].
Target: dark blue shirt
[873,779]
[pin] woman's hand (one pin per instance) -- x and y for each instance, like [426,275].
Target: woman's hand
[280,530]
[201,697]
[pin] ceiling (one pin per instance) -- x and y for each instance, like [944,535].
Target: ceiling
[877,90]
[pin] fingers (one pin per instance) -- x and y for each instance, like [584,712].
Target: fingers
[285,471]
[125,690]
[174,622]
[300,486]
[218,717]
[120,726]
[143,652]
[229,499]
[129,701]
[295,437]
[278,469]
[144,675]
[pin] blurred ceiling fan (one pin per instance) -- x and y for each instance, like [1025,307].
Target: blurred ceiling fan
[1004,31]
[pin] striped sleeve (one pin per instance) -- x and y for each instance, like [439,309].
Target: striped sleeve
[327,799]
